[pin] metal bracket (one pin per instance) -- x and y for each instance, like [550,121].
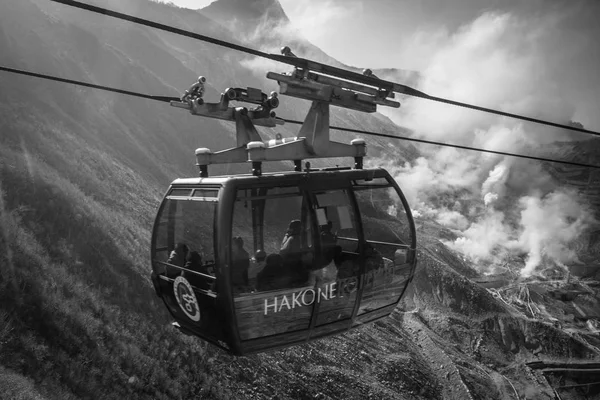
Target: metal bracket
[246,119]
[313,139]
[304,84]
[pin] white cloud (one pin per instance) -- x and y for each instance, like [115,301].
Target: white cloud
[443,172]
[315,19]
[497,61]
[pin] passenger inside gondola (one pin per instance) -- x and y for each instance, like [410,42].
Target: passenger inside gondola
[321,268]
[257,263]
[193,263]
[240,263]
[291,245]
[274,275]
[373,258]
[296,261]
[324,270]
[178,255]
[178,258]
[328,238]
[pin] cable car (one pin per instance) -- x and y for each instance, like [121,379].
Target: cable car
[261,261]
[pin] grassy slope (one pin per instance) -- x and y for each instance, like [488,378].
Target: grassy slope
[79,188]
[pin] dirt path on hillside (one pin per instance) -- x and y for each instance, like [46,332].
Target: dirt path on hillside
[446,370]
[441,363]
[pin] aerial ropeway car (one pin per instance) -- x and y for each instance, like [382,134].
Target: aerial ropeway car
[261,261]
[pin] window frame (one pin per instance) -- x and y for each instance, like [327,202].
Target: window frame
[169,202]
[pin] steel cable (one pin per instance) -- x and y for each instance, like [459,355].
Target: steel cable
[291,121]
[318,67]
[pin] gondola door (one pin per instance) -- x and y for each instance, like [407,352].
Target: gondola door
[271,226]
[335,274]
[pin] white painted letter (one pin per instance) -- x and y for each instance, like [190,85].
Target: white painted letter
[274,305]
[311,300]
[296,299]
[333,290]
[321,294]
[284,302]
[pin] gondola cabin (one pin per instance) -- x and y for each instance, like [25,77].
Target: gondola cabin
[290,257]
[263,261]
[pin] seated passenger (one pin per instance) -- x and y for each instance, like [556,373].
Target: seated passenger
[292,241]
[194,263]
[240,263]
[328,238]
[324,270]
[257,263]
[400,257]
[291,251]
[178,255]
[274,275]
[373,258]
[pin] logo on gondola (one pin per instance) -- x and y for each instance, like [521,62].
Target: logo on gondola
[186,298]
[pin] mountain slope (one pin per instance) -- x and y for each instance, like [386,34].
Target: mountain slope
[81,175]
[265,23]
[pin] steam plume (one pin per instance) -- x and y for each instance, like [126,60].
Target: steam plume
[499,60]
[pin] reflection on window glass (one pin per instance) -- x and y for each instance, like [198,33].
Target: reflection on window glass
[276,236]
[339,261]
[383,215]
[180,192]
[271,256]
[387,235]
[161,239]
[184,236]
[334,209]
[206,193]
[185,262]
[193,226]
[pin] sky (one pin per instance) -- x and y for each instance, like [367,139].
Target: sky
[377,32]
[360,32]
[407,34]
[537,57]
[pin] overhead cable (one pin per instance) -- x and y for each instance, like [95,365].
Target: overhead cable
[91,85]
[315,66]
[291,121]
[456,146]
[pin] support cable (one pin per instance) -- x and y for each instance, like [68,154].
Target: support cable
[456,146]
[90,85]
[315,66]
[291,121]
